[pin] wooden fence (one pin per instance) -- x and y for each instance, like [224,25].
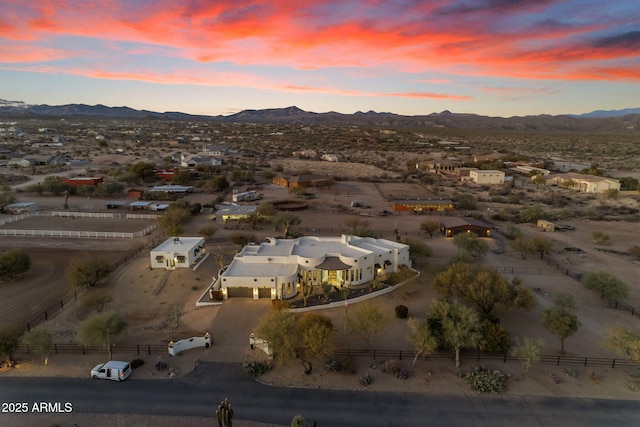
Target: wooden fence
[117,348]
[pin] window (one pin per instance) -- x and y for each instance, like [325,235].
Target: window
[160,259]
[181,259]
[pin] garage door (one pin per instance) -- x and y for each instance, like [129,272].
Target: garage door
[240,292]
[264,292]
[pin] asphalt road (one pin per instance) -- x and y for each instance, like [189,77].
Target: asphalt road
[199,392]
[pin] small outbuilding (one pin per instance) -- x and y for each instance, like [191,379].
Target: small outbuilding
[454,225]
[177,252]
[21,207]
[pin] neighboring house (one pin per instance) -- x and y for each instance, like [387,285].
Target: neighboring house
[488,157]
[330,157]
[177,252]
[234,213]
[490,177]
[21,162]
[586,183]
[212,150]
[421,204]
[302,181]
[192,161]
[21,207]
[453,225]
[529,170]
[84,180]
[442,166]
[274,269]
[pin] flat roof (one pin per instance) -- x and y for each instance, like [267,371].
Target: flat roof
[139,203]
[183,244]
[238,268]
[21,204]
[172,188]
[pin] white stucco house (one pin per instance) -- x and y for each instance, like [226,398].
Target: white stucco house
[177,252]
[490,177]
[274,269]
[586,183]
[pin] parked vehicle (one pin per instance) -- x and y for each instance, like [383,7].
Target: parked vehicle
[112,370]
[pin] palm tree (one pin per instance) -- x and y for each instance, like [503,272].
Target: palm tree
[287,220]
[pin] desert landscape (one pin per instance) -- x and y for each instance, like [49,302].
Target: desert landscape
[158,306]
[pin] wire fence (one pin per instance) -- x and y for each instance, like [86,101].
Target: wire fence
[557,360]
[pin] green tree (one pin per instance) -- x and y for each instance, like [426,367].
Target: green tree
[13,263]
[9,340]
[173,220]
[287,220]
[367,321]
[527,351]
[467,202]
[143,170]
[109,188]
[561,319]
[606,284]
[511,231]
[532,214]
[541,245]
[55,185]
[6,199]
[471,243]
[87,271]
[97,298]
[494,338]
[457,324]
[522,245]
[181,177]
[622,340]
[219,183]
[298,421]
[101,330]
[317,338]
[420,335]
[278,328]
[430,227]
[39,340]
[485,288]
[417,248]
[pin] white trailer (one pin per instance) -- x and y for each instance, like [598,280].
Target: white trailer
[246,196]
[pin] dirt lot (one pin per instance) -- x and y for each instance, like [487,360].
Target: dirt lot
[45,282]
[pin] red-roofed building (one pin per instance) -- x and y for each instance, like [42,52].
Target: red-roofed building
[82,180]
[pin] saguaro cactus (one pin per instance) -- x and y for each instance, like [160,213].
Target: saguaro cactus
[224,414]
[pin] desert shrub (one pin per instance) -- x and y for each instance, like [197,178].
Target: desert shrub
[401,373]
[345,366]
[279,304]
[402,311]
[404,273]
[486,381]
[366,380]
[390,366]
[255,368]
[136,363]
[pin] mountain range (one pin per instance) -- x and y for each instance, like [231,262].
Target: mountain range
[618,121]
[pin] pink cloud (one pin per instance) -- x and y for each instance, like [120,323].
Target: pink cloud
[309,35]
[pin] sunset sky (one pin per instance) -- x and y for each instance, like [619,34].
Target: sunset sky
[491,57]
